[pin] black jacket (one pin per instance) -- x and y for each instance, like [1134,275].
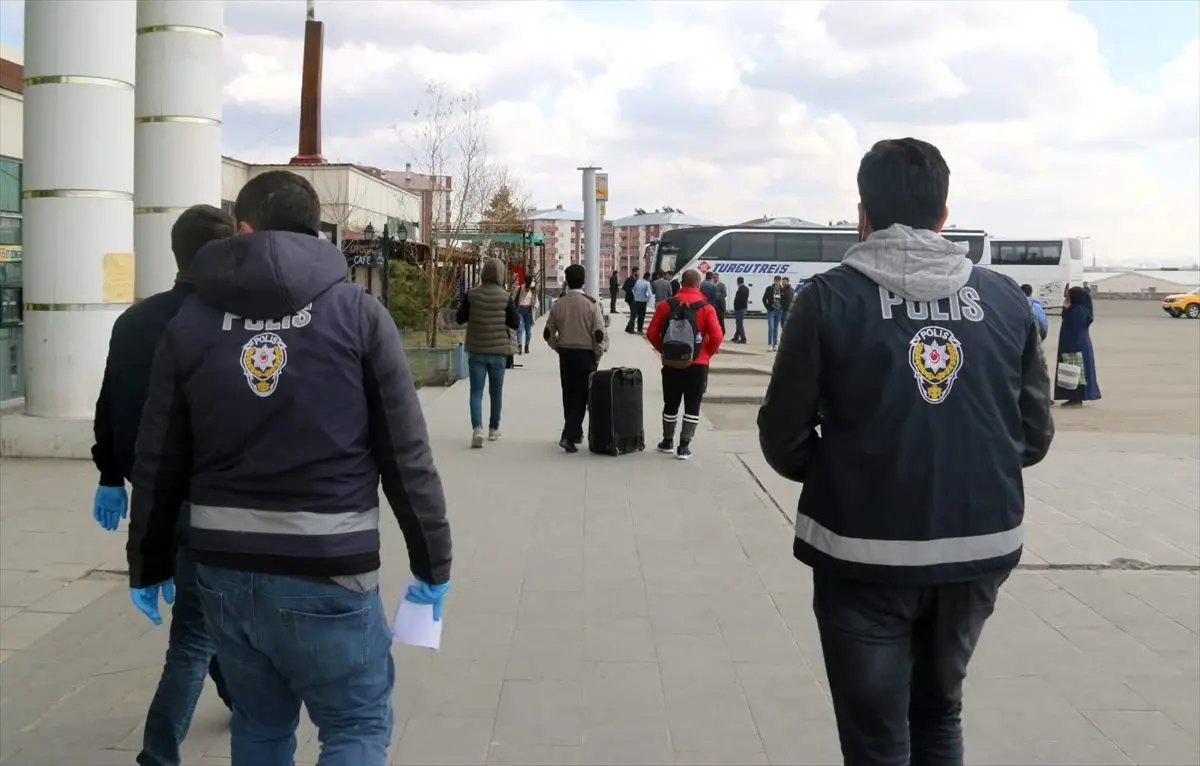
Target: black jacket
[927,412]
[280,398]
[771,299]
[135,337]
[627,288]
[741,298]
[786,295]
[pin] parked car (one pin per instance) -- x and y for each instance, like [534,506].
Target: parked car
[1183,305]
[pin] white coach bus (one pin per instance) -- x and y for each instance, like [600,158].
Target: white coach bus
[758,255]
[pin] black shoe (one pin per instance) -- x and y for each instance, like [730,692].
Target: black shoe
[526,348]
[577,440]
[567,445]
[666,446]
[684,452]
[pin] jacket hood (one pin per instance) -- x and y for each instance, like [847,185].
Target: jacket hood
[492,271]
[267,274]
[915,264]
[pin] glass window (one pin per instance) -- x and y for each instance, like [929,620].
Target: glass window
[834,246]
[10,186]
[747,246]
[227,206]
[10,306]
[1008,253]
[718,250]
[974,245]
[1043,253]
[10,230]
[794,246]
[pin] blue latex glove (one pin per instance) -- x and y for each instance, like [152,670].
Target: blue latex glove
[424,593]
[146,599]
[110,506]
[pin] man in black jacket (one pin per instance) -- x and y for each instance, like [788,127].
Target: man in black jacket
[279,399]
[135,336]
[925,377]
[741,302]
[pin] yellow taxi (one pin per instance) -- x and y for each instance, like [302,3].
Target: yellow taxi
[1183,305]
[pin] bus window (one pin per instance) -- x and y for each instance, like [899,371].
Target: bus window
[1008,253]
[677,247]
[834,246]
[796,246]
[1043,253]
[718,250]
[747,246]
[974,245]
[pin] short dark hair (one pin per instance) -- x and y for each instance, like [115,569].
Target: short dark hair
[777,278]
[279,200]
[741,280]
[905,181]
[575,275]
[1027,289]
[195,228]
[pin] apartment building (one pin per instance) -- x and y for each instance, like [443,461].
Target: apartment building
[632,234]
[564,239]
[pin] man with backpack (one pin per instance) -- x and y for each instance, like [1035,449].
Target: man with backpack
[686,332]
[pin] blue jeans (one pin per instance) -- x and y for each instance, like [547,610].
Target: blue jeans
[525,327]
[191,654]
[287,641]
[489,367]
[773,317]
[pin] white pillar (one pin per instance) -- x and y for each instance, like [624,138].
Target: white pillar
[178,126]
[79,77]
[591,233]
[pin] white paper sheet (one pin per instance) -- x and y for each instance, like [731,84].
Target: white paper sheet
[414,624]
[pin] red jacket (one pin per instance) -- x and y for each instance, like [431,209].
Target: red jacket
[706,322]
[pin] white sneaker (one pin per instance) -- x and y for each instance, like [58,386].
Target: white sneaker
[476,438]
[493,434]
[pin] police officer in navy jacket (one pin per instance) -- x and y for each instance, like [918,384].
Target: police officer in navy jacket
[908,395]
[280,398]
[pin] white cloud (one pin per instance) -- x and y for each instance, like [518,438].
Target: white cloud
[730,110]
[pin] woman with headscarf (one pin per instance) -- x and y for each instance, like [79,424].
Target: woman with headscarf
[1075,348]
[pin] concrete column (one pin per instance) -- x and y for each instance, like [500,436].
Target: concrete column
[591,233]
[178,126]
[79,99]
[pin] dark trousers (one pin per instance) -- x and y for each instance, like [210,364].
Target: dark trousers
[612,302]
[575,366]
[739,325]
[721,319]
[191,655]
[896,657]
[637,316]
[687,385]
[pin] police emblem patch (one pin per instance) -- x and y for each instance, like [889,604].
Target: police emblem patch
[263,357]
[935,356]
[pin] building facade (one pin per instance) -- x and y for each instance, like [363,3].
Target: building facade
[633,233]
[564,240]
[352,197]
[12,87]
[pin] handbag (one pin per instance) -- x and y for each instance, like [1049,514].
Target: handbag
[1069,375]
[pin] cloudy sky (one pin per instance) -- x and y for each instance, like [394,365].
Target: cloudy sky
[1057,118]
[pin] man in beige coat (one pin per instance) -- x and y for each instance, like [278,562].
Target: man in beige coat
[575,329]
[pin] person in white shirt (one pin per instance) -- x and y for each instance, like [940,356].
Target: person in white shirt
[526,300]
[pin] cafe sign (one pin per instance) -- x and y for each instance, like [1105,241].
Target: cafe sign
[363,252]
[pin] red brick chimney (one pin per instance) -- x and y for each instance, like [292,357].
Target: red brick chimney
[310,93]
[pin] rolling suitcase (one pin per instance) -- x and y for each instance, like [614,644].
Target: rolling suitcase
[615,412]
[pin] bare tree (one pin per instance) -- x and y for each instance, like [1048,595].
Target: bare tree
[449,138]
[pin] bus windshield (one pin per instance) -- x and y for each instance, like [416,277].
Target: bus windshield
[678,246]
[974,243]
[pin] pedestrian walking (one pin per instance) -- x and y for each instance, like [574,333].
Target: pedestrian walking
[614,287]
[772,302]
[575,331]
[1039,311]
[741,303]
[925,378]
[722,300]
[627,289]
[491,319]
[279,399]
[641,298]
[686,333]
[526,299]
[1075,349]
[191,652]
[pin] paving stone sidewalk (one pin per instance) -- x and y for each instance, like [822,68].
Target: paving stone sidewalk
[636,610]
